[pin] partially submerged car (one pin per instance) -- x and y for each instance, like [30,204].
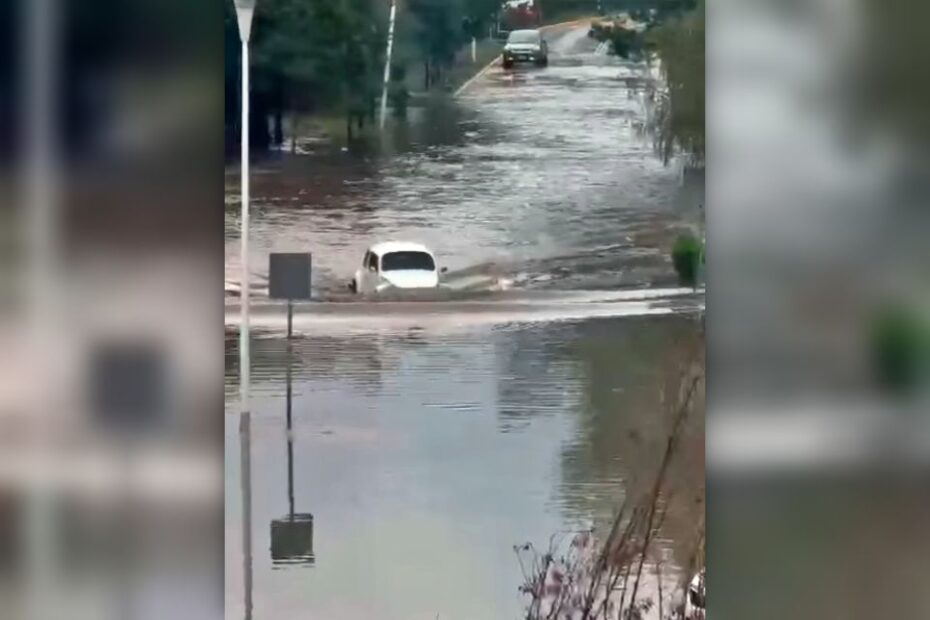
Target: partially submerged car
[396,266]
[694,598]
[525,46]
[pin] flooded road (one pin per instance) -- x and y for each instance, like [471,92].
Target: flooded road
[541,173]
[429,438]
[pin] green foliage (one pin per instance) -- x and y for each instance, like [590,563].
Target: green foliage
[322,53]
[679,42]
[309,56]
[900,347]
[319,56]
[687,257]
[441,27]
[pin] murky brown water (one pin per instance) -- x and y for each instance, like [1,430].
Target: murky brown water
[542,172]
[428,439]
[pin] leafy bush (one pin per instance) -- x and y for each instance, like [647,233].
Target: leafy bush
[687,257]
[899,348]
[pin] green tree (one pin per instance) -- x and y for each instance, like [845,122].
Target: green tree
[311,56]
[438,34]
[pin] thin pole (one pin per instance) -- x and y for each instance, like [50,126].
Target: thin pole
[290,318]
[245,438]
[244,365]
[290,438]
[387,63]
[39,80]
[474,50]
[244,359]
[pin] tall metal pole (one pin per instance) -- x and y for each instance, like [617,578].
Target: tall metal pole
[387,63]
[244,368]
[244,12]
[39,78]
[244,359]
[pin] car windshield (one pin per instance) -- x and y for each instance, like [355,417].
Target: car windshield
[396,261]
[524,36]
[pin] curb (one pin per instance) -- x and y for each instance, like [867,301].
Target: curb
[497,60]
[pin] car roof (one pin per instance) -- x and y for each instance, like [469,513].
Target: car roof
[524,31]
[397,246]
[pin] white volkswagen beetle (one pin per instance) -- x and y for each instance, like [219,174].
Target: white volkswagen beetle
[396,265]
[694,598]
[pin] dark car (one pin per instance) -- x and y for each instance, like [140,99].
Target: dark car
[525,46]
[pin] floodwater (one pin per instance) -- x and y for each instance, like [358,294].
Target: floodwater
[427,438]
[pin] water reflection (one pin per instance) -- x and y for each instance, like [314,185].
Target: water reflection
[291,535]
[292,540]
[467,442]
[245,476]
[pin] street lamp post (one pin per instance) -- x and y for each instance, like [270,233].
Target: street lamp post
[387,64]
[245,9]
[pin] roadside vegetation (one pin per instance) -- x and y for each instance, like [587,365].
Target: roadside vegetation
[673,33]
[688,258]
[900,350]
[325,58]
[679,43]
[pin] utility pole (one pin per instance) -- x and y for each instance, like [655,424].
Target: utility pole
[387,63]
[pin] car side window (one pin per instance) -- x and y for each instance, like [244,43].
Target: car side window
[373,261]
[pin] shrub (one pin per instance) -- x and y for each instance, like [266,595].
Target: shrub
[899,350]
[687,257]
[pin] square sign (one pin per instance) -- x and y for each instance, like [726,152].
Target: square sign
[128,384]
[289,276]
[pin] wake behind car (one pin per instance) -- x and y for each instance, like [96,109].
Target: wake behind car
[525,46]
[394,266]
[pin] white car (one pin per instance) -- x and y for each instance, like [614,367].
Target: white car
[396,265]
[694,598]
[525,46]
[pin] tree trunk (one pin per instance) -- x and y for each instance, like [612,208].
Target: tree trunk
[426,74]
[294,130]
[278,138]
[349,127]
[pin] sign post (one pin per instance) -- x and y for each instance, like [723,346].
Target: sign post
[289,277]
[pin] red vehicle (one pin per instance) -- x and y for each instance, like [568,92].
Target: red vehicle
[520,15]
